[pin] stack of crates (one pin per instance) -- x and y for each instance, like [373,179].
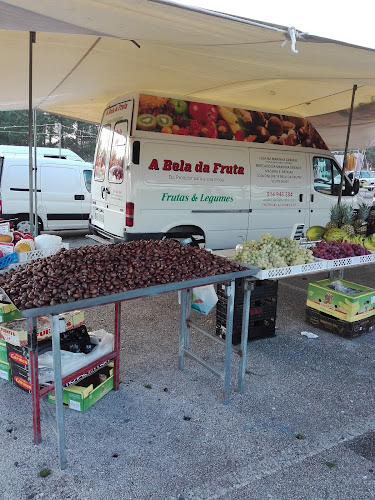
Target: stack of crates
[263,307]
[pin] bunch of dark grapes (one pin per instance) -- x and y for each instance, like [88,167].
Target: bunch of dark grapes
[331,250]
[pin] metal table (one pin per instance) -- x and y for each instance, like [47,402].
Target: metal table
[186,324]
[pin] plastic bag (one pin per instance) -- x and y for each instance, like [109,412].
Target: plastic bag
[44,241]
[70,361]
[204,299]
[339,286]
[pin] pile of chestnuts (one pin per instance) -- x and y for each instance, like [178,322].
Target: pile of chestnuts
[97,270]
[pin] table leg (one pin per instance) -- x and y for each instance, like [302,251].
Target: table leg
[187,317]
[116,370]
[58,389]
[230,291]
[34,378]
[248,287]
[182,329]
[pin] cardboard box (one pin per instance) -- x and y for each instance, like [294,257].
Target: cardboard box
[15,332]
[86,393]
[8,312]
[71,319]
[20,378]
[345,306]
[6,248]
[349,330]
[4,371]
[3,352]
[19,355]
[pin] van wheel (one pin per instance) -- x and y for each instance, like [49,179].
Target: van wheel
[23,224]
[193,241]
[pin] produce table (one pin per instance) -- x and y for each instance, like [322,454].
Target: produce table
[184,348]
[313,267]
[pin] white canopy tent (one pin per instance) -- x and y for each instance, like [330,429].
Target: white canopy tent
[333,127]
[87,53]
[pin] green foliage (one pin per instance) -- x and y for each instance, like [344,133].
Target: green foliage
[45,472]
[78,136]
[370,156]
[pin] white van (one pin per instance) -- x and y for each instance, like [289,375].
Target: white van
[63,153]
[168,167]
[63,192]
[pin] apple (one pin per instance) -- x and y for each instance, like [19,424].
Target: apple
[180,106]
[203,112]
[17,236]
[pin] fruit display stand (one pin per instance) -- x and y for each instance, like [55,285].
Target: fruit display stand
[186,324]
[16,259]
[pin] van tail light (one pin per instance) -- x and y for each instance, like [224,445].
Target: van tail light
[1,207]
[129,221]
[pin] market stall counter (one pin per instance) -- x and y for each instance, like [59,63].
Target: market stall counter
[202,268]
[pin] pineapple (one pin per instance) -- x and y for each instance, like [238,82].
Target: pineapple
[347,220]
[359,224]
[334,217]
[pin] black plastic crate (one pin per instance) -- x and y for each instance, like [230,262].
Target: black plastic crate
[349,330]
[257,330]
[262,289]
[259,309]
[262,314]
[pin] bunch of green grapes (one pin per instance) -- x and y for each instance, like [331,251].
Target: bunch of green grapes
[270,252]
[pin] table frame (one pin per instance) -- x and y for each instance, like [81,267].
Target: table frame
[186,324]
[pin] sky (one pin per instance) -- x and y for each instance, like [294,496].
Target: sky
[335,19]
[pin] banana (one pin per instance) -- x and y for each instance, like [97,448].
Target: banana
[369,246]
[231,119]
[369,243]
[343,307]
[348,307]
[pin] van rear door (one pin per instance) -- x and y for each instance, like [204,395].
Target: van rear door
[111,165]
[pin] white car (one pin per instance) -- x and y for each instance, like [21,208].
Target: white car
[366,179]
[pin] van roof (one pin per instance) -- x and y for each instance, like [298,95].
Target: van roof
[11,159]
[66,154]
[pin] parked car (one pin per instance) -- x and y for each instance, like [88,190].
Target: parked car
[63,191]
[366,179]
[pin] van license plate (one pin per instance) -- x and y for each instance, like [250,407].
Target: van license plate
[99,215]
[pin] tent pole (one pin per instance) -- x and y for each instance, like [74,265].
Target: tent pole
[35,177]
[31,207]
[346,144]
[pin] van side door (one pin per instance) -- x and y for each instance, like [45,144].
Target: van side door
[279,192]
[61,195]
[15,186]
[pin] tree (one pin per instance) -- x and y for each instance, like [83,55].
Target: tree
[78,136]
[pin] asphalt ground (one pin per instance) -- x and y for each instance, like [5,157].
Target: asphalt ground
[303,429]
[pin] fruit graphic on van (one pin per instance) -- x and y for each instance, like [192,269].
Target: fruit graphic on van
[146,122]
[203,112]
[180,106]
